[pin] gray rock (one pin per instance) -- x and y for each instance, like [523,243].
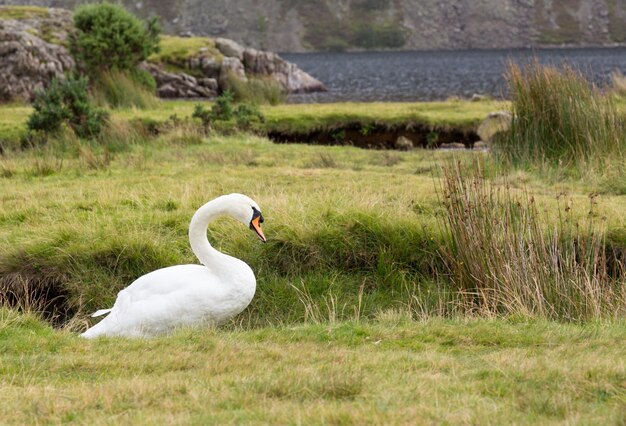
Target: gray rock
[205,92]
[27,61]
[496,122]
[231,67]
[209,83]
[194,63]
[173,85]
[287,74]
[478,98]
[167,91]
[403,144]
[210,67]
[229,48]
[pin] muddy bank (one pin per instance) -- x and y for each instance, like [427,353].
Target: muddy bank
[380,136]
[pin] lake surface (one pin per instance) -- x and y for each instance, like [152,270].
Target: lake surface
[428,76]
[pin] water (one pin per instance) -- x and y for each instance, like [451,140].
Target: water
[428,76]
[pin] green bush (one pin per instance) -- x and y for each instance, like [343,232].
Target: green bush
[248,116]
[108,37]
[223,115]
[66,102]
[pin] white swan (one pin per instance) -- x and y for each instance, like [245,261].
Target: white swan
[183,295]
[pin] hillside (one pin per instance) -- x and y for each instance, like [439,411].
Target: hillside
[291,25]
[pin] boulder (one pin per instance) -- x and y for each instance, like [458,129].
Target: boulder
[403,144]
[229,48]
[209,83]
[180,85]
[287,74]
[167,91]
[231,67]
[496,122]
[210,67]
[478,98]
[27,61]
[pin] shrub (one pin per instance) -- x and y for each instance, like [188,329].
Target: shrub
[248,116]
[224,116]
[124,89]
[108,37]
[559,119]
[66,102]
[222,110]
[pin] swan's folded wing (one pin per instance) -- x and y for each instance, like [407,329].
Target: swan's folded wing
[168,280]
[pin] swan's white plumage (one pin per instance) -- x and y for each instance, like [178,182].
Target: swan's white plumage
[184,295]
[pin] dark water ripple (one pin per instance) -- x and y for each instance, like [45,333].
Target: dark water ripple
[427,76]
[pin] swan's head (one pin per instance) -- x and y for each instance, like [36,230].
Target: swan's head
[247,211]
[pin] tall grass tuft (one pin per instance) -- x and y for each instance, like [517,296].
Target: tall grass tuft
[256,90]
[506,257]
[618,83]
[560,120]
[121,90]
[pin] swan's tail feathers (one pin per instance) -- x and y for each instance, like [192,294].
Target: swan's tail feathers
[101,312]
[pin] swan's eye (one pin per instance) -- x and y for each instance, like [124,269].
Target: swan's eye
[257,214]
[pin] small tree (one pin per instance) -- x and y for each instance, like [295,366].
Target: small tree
[108,37]
[66,102]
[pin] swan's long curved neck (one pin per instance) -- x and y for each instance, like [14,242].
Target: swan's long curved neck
[200,245]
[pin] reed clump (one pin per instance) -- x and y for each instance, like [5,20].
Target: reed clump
[506,256]
[560,120]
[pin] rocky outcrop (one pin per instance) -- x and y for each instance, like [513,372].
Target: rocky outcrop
[295,26]
[212,73]
[181,85]
[30,53]
[287,74]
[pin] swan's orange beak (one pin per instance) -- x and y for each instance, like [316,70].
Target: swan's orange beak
[255,225]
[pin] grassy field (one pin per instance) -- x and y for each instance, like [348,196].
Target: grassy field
[392,371]
[354,321]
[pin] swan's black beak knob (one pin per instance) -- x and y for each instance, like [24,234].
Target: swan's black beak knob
[255,225]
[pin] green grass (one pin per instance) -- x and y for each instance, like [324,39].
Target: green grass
[299,118]
[348,324]
[256,91]
[391,371]
[344,224]
[175,51]
[23,12]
